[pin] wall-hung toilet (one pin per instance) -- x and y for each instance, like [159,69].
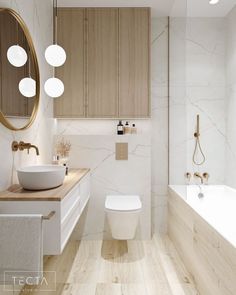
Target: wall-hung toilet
[123,215]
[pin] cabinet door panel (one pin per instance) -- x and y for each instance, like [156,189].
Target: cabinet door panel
[71,37]
[134,62]
[102,62]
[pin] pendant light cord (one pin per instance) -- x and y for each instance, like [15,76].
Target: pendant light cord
[55,12]
[198,146]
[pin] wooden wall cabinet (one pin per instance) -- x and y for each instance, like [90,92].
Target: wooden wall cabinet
[71,36]
[134,62]
[102,62]
[106,74]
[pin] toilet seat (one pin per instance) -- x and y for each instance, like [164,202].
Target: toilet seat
[123,203]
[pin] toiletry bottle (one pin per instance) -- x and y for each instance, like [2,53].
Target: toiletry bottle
[133,129]
[67,169]
[127,128]
[120,128]
[55,160]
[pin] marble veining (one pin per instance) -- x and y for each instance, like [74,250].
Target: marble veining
[109,176]
[201,57]
[157,126]
[159,119]
[231,101]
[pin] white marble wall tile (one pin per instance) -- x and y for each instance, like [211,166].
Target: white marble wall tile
[157,126]
[38,18]
[109,176]
[205,90]
[199,52]
[159,103]
[101,127]
[177,112]
[231,101]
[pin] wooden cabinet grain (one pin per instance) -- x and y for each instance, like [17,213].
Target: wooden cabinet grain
[133,62]
[106,74]
[71,35]
[102,63]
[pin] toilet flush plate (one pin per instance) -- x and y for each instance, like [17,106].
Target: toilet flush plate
[121,151]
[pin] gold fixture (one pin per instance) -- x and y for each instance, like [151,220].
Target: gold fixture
[49,216]
[198,145]
[122,151]
[188,176]
[206,176]
[196,174]
[15,146]
[29,40]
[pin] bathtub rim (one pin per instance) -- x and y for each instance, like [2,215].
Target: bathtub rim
[172,190]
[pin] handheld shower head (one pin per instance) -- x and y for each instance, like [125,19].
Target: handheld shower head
[197,133]
[198,145]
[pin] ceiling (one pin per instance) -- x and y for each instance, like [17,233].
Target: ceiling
[159,7]
[193,8]
[201,8]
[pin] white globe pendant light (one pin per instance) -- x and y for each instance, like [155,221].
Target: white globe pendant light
[55,55]
[17,56]
[54,87]
[27,87]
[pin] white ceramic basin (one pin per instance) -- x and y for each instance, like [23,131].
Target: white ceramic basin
[41,177]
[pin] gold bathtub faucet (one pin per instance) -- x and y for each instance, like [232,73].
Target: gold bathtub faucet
[205,176]
[15,146]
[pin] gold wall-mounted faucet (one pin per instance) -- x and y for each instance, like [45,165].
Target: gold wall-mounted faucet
[188,176]
[204,177]
[15,146]
[198,175]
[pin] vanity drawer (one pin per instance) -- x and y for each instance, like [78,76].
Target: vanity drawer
[69,222]
[85,189]
[69,200]
[72,207]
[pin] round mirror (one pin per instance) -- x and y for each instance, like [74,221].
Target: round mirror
[19,73]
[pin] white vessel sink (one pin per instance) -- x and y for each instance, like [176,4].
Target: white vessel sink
[41,177]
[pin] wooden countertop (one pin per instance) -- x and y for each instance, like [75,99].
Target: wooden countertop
[17,193]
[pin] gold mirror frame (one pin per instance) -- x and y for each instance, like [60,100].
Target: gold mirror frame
[3,119]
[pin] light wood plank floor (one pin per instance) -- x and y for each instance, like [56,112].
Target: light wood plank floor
[119,268]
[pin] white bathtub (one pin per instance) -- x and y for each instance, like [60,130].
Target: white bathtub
[217,207]
[203,231]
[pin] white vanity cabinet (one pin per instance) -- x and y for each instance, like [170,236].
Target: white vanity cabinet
[68,202]
[72,207]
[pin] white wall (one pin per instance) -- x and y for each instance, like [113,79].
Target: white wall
[177,112]
[107,177]
[205,85]
[38,17]
[93,146]
[231,100]
[159,120]
[202,56]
